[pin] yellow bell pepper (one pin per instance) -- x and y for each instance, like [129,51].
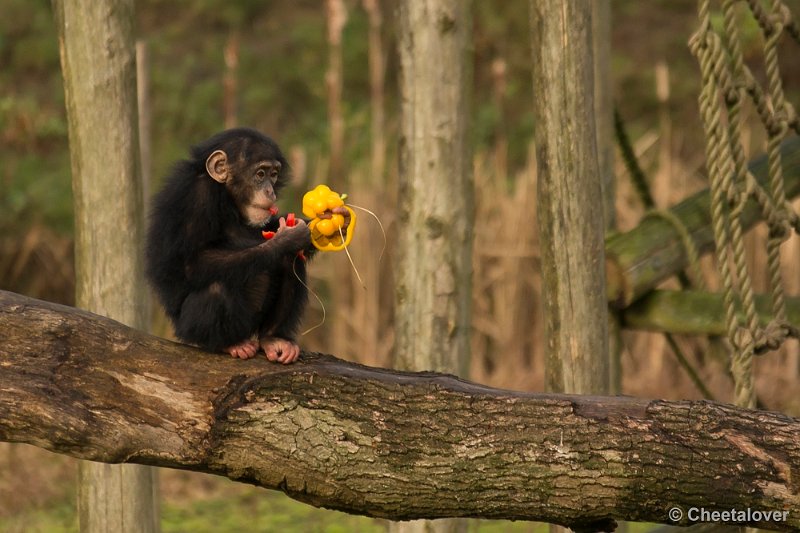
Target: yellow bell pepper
[326,233]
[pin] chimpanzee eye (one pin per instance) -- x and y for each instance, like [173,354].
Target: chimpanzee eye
[261,173]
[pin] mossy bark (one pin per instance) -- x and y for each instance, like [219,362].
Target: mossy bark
[694,312]
[570,201]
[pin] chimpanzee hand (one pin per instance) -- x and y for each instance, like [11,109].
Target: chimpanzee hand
[291,239]
[338,211]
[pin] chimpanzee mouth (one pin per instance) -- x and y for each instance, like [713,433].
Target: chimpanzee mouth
[260,214]
[272,209]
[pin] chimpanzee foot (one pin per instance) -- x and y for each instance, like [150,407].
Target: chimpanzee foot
[280,350]
[243,350]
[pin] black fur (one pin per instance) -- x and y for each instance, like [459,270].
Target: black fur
[218,280]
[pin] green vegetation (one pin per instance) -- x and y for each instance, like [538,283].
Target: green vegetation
[253,510]
[260,510]
[250,509]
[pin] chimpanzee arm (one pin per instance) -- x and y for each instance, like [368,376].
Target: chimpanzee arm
[214,263]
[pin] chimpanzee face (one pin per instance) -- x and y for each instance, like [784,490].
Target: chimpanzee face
[253,171]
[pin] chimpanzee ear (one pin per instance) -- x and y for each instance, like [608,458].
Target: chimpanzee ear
[217,166]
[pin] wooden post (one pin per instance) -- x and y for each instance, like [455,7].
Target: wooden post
[570,198]
[99,67]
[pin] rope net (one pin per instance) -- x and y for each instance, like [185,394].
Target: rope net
[726,84]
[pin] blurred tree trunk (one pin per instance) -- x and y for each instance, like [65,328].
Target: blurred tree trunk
[377,75]
[569,185]
[434,270]
[98,63]
[337,18]
[230,81]
[499,89]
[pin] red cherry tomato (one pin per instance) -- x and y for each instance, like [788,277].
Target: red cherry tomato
[290,220]
[268,234]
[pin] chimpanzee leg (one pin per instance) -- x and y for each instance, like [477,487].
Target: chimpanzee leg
[278,332]
[216,321]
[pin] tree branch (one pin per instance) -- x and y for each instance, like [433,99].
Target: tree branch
[695,312]
[381,443]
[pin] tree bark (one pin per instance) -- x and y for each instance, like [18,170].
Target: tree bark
[434,272]
[99,66]
[570,212]
[383,443]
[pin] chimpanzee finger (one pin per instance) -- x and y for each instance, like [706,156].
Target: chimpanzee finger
[345,213]
[272,353]
[290,354]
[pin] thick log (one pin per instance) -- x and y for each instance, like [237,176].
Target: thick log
[640,259]
[694,312]
[383,443]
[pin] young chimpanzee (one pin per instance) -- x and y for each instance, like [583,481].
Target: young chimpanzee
[223,286]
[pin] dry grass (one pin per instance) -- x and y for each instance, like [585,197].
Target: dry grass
[31,478]
[39,264]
